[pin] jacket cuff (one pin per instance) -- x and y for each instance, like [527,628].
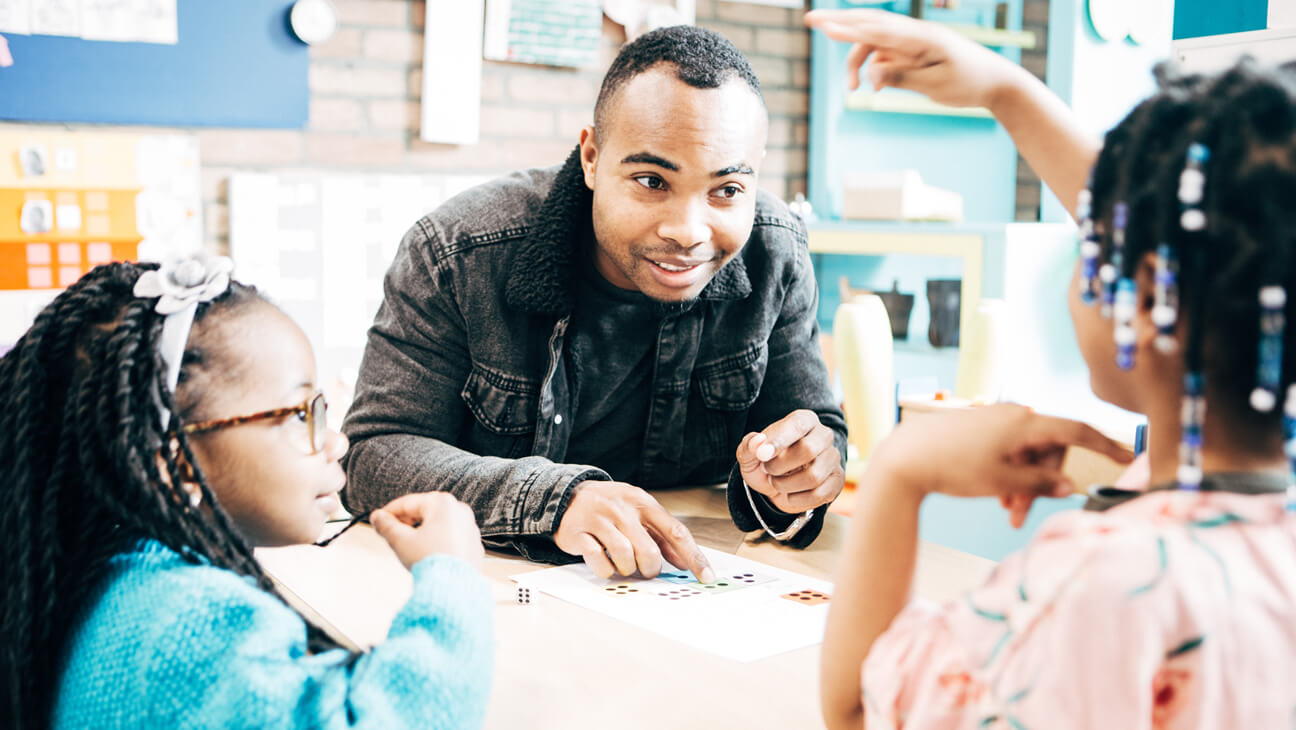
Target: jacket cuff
[547,492]
[777,520]
[544,499]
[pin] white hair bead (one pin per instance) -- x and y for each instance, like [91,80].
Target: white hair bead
[1189,474]
[1273,297]
[1263,400]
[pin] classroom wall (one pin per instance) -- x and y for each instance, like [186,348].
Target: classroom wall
[1035,18]
[1101,80]
[1197,18]
[365,85]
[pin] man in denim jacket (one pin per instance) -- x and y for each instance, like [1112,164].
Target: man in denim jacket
[555,341]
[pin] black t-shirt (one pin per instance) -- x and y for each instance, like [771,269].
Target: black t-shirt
[612,343]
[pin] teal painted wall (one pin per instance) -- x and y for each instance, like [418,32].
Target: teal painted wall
[974,157]
[1197,18]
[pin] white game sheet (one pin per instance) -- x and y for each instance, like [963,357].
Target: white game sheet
[751,612]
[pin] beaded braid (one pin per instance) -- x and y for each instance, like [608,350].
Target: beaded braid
[82,439]
[1193,220]
[1206,168]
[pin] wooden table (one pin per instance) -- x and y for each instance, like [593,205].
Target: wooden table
[558,665]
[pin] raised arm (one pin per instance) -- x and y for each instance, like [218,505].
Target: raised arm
[933,60]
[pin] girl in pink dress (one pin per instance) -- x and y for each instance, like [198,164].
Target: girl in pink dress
[1173,607]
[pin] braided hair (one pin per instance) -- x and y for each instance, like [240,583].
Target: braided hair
[1246,117]
[89,469]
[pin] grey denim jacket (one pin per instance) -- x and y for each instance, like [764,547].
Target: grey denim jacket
[463,386]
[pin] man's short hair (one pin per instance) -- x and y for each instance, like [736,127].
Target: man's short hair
[701,58]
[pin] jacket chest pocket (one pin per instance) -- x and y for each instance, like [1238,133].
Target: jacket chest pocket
[732,383]
[727,388]
[504,408]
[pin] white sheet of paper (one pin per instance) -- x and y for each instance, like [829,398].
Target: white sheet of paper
[109,20]
[15,16]
[495,39]
[799,4]
[148,21]
[452,69]
[746,624]
[156,22]
[56,17]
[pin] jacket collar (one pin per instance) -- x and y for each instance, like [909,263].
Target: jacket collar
[544,272]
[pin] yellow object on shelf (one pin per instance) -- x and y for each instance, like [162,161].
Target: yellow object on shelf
[909,103]
[981,356]
[967,247]
[866,362]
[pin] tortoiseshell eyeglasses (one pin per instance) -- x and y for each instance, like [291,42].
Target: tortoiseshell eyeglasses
[313,412]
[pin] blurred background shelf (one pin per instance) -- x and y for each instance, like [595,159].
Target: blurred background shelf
[996,36]
[904,102]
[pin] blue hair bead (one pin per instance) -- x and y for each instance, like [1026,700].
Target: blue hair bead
[1089,248]
[1192,417]
[1165,309]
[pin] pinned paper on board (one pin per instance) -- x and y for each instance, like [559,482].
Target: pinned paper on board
[37,217]
[144,21]
[795,4]
[451,110]
[544,32]
[15,16]
[751,611]
[70,201]
[33,159]
[56,17]
[135,21]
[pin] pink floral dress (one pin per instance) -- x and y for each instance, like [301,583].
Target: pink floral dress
[1174,610]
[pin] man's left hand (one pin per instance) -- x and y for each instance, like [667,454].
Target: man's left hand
[794,462]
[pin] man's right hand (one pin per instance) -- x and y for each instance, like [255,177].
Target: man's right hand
[620,529]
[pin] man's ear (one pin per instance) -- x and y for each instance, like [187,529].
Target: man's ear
[589,155]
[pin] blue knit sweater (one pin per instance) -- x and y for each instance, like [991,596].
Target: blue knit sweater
[169,644]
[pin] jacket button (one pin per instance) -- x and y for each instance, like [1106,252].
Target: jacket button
[558,419]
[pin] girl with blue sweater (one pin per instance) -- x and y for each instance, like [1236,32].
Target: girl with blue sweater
[157,424]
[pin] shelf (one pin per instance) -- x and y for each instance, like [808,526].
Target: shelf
[980,34]
[994,36]
[908,103]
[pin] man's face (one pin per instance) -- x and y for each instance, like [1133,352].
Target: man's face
[674,181]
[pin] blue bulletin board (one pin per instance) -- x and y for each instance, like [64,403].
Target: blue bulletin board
[237,64]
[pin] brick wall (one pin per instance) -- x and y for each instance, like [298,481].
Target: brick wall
[365,85]
[1035,14]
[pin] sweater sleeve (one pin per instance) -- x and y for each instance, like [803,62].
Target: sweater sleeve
[237,658]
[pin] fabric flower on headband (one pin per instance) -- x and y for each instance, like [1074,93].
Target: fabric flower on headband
[182,282]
